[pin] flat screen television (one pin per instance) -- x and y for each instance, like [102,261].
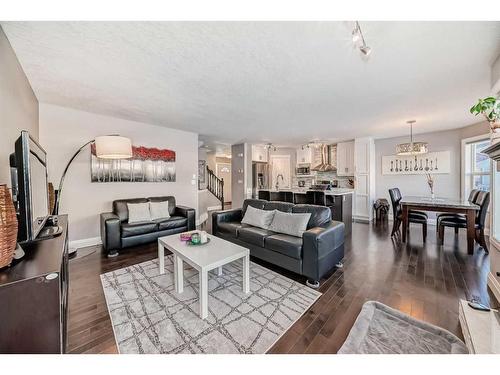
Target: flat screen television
[32,187]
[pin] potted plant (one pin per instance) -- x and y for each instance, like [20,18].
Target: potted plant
[490,108]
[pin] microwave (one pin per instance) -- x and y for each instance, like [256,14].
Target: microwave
[302,171]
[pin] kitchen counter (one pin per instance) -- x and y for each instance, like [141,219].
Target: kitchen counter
[333,191]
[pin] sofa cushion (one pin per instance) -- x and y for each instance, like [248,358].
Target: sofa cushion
[171,223]
[159,210]
[138,212]
[280,206]
[253,235]
[285,244]
[230,228]
[256,203]
[290,223]
[258,218]
[320,215]
[136,229]
[167,198]
[120,207]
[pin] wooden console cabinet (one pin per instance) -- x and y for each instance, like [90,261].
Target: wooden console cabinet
[34,298]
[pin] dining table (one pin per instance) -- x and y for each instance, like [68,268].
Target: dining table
[457,206]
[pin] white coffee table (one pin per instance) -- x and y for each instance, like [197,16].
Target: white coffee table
[203,258]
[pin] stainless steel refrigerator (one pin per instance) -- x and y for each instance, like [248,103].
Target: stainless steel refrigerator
[260,177]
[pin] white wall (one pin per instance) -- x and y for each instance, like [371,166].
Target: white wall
[445,185]
[64,130]
[18,105]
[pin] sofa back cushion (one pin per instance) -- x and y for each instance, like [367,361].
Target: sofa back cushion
[320,215]
[258,218]
[256,203]
[280,206]
[120,207]
[290,223]
[167,198]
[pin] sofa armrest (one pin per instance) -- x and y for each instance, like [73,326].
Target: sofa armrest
[110,231]
[323,247]
[234,215]
[189,213]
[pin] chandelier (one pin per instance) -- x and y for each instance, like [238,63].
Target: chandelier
[412,148]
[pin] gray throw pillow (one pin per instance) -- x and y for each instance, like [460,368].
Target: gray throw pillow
[290,223]
[258,218]
[138,212]
[159,210]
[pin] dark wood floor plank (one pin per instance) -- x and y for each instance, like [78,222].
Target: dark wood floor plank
[424,280]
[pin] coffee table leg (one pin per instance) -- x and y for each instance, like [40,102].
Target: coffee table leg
[203,290]
[219,271]
[178,274]
[246,274]
[161,258]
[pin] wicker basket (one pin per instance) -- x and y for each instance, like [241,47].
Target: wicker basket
[8,227]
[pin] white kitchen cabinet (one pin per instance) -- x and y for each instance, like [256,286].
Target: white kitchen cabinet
[304,156]
[259,153]
[345,159]
[364,178]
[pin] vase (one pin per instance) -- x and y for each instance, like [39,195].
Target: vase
[8,227]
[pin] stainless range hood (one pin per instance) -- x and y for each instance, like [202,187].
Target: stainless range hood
[325,165]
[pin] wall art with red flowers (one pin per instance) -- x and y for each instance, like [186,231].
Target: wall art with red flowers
[146,165]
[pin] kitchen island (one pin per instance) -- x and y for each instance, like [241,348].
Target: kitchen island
[338,199]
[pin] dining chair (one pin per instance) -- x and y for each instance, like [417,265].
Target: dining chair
[447,215]
[482,200]
[414,216]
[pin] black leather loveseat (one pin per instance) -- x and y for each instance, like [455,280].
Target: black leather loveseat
[117,233]
[319,250]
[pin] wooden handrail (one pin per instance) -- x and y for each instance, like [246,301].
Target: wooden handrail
[215,185]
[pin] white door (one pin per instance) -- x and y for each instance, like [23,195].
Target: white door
[280,166]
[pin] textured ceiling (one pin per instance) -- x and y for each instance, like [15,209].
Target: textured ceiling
[282,82]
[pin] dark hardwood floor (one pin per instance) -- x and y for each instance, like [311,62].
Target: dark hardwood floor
[423,280]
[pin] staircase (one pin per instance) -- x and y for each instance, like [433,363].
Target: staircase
[215,185]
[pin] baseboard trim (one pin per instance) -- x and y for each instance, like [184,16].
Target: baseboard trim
[85,242]
[213,208]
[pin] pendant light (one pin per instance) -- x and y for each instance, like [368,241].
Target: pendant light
[411,148]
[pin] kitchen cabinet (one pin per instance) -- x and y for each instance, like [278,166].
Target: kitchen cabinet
[304,156]
[345,159]
[259,153]
[364,177]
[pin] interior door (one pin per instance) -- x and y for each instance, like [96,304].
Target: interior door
[280,166]
[224,171]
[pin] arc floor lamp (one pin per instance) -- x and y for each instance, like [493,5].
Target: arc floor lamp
[107,147]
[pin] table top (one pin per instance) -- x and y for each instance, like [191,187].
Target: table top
[438,202]
[208,256]
[481,329]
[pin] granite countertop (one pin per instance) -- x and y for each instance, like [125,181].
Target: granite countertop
[333,191]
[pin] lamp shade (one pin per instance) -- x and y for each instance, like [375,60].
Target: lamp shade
[113,147]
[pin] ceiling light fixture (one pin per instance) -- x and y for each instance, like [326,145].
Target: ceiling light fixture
[411,148]
[359,40]
[270,146]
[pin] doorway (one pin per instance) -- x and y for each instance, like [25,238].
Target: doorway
[280,166]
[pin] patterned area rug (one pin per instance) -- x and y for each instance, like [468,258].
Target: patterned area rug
[148,316]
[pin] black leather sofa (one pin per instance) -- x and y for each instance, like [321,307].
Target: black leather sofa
[319,250]
[117,233]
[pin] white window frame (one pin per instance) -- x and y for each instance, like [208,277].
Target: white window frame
[465,142]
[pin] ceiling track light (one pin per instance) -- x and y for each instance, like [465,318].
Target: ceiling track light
[358,38]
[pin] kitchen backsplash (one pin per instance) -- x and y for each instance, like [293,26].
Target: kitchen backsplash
[342,181]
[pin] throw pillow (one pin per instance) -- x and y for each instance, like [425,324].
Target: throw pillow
[159,210]
[258,218]
[290,223]
[138,212]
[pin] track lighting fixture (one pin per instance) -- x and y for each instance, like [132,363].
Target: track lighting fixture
[359,40]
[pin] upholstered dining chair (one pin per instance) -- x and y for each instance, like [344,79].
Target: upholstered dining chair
[447,215]
[414,216]
[482,200]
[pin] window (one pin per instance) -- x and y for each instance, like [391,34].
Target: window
[477,166]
